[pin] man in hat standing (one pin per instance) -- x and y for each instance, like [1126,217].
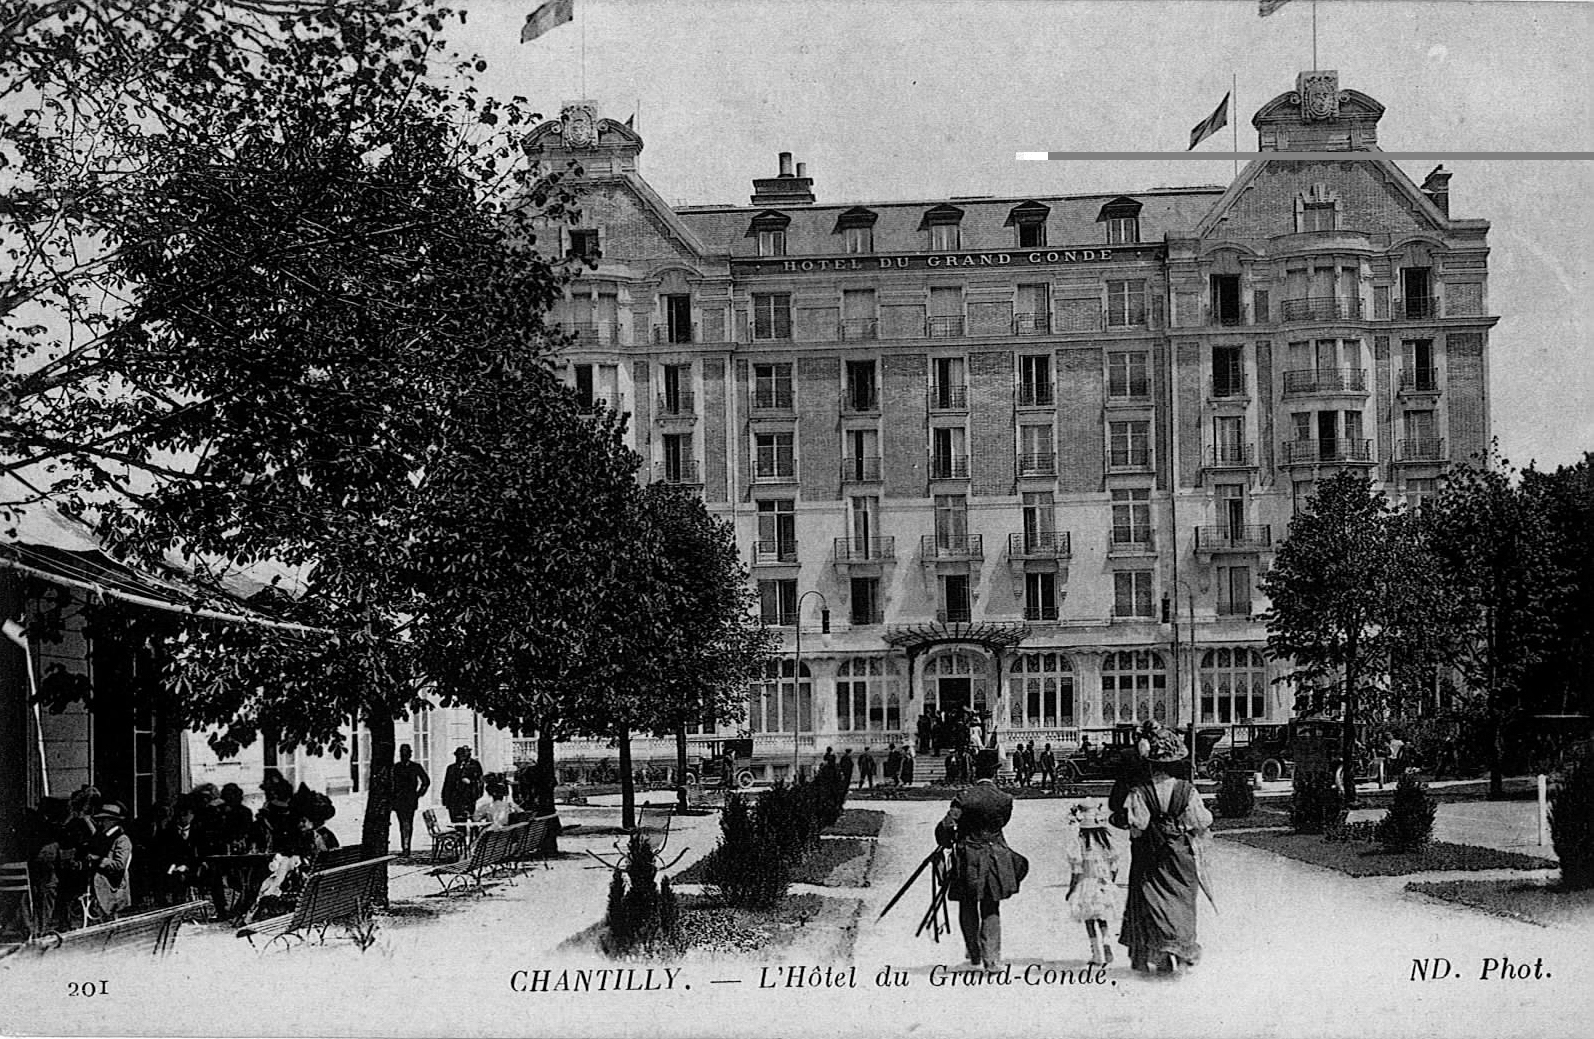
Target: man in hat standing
[410,783]
[462,786]
[984,869]
[111,861]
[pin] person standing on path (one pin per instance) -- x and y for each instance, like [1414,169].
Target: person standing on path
[845,764]
[893,766]
[1048,770]
[1093,877]
[410,784]
[984,869]
[462,786]
[866,769]
[905,776]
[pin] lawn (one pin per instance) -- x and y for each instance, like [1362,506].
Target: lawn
[858,822]
[1360,859]
[815,928]
[1534,901]
[1260,818]
[834,862]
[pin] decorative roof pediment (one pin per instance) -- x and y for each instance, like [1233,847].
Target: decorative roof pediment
[1121,206]
[1028,212]
[857,216]
[768,220]
[942,214]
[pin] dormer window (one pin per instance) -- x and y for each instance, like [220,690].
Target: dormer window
[856,227]
[1028,219]
[769,228]
[583,243]
[1122,217]
[943,226]
[772,243]
[1317,216]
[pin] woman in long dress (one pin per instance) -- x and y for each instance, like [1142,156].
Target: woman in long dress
[1166,819]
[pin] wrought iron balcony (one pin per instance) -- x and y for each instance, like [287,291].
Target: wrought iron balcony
[1323,308]
[854,328]
[1041,463]
[1047,544]
[772,400]
[591,333]
[1127,539]
[1234,537]
[860,468]
[1040,613]
[949,467]
[952,546]
[1229,317]
[1336,450]
[683,472]
[948,398]
[1226,387]
[858,401]
[1325,380]
[1032,324]
[1231,456]
[779,473]
[677,405]
[1414,308]
[866,550]
[1128,461]
[777,551]
[1419,380]
[674,333]
[1035,394]
[943,327]
[1422,449]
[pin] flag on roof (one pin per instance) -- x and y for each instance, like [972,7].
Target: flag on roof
[549,16]
[1267,7]
[1211,124]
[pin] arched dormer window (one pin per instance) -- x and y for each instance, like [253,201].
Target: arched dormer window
[769,227]
[856,227]
[1122,217]
[943,225]
[1029,221]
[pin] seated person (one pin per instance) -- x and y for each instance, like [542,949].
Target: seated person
[496,808]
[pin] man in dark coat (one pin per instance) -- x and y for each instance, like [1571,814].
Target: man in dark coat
[866,769]
[845,764]
[410,783]
[1048,766]
[462,786]
[984,869]
[893,766]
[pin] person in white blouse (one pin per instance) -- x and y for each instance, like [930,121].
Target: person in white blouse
[496,808]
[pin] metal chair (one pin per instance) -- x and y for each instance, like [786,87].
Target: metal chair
[445,840]
[14,880]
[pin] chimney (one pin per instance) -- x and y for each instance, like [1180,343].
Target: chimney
[1436,185]
[788,189]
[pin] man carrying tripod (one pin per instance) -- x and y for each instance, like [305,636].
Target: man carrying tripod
[984,869]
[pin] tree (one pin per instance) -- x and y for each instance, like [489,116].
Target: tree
[1566,500]
[1345,582]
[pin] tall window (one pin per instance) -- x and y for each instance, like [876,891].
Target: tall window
[1301,494]
[868,695]
[1131,593]
[858,239]
[1228,440]
[1233,686]
[1126,303]
[777,602]
[949,458]
[861,455]
[1129,374]
[1035,455]
[1228,371]
[956,606]
[421,738]
[1317,216]
[865,512]
[679,466]
[1134,687]
[677,386]
[1234,591]
[1035,379]
[859,315]
[863,392]
[1123,230]
[1041,691]
[1231,509]
[772,243]
[1031,233]
[773,456]
[1419,372]
[772,386]
[946,311]
[772,315]
[951,521]
[1032,313]
[1040,520]
[1040,596]
[783,701]
[945,237]
[1129,444]
[947,390]
[777,531]
[1131,515]
[865,601]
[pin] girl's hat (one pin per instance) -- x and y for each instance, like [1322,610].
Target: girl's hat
[1088,815]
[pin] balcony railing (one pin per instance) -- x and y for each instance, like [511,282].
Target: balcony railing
[777,551]
[1233,537]
[1047,544]
[1032,324]
[948,398]
[677,405]
[1422,449]
[779,619]
[952,546]
[1230,456]
[1419,380]
[943,327]
[1323,308]
[854,402]
[1130,461]
[775,473]
[1041,463]
[949,467]
[860,468]
[866,550]
[1414,308]
[860,328]
[674,333]
[1130,539]
[1229,317]
[1040,613]
[955,615]
[766,401]
[1227,387]
[1338,450]
[676,472]
[592,333]
[1035,394]
[1326,380]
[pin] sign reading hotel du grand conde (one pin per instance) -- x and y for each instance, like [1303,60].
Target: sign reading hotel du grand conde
[1009,259]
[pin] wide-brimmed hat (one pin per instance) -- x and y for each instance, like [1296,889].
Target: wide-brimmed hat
[1165,744]
[111,810]
[1088,815]
[461,750]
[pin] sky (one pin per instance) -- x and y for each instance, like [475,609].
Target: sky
[926,99]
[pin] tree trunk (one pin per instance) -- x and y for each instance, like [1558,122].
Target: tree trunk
[379,793]
[1496,757]
[680,769]
[1347,747]
[545,781]
[627,782]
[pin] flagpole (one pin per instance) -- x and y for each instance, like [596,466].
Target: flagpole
[584,45]
[1234,116]
[1314,35]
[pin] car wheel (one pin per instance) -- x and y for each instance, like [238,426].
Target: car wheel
[744,779]
[1272,770]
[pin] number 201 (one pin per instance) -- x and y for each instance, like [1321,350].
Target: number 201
[88,988]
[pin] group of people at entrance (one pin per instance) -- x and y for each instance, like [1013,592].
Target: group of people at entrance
[897,768]
[1167,823]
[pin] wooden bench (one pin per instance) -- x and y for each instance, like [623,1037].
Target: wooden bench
[346,855]
[154,932]
[493,851]
[330,896]
[529,848]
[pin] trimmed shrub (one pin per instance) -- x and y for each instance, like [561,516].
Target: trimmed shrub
[748,867]
[1235,799]
[1315,803]
[643,919]
[1572,821]
[1409,824]
[830,796]
[1340,831]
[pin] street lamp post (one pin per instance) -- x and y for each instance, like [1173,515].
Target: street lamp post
[797,672]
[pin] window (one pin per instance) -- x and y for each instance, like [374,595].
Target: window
[1233,686]
[677,386]
[1131,593]
[1301,494]
[1418,373]
[585,399]
[772,243]
[1126,303]
[1226,300]
[945,237]
[949,458]
[1040,597]
[858,239]
[947,391]
[1131,515]
[678,318]
[862,390]
[858,314]
[865,510]
[1129,374]
[946,311]
[1352,425]
[868,696]
[1317,216]
[860,455]
[1123,230]
[1035,380]
[865,600]
[1422,435]
[1035,454]
[951,522]
[1231,509]
[1228,371]
[1420,490]
[1040,520]
[1228,441]
[1041,691]
[1134,687]
[1032,312]
[777,602]
[773,457]
[1234,591]
[1031,234]
[772,315]
[679,465]
[777,532]
[956,607]
[584,243]
[772,386]
[784,701]
[1129,444]
[421,738]
[1416,283]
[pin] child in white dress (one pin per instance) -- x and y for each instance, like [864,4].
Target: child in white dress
[1093,888]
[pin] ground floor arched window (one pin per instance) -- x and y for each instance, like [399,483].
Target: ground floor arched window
[955,680]
[868,695]
[779,704]
[1233,685]
[1134,687]
[1041,691]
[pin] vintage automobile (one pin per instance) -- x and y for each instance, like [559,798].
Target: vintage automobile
[709,770]
[1107,761]
[1274,750]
